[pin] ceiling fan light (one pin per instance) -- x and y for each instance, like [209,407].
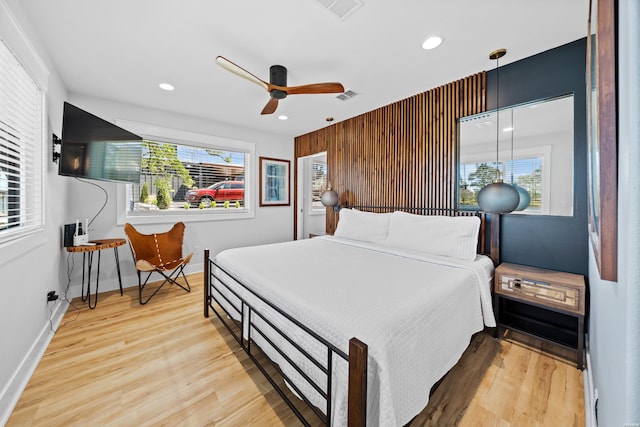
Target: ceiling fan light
[432,43]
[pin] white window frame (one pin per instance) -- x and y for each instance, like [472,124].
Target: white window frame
[182,137]
[542,152]
[314,210]
[15,39]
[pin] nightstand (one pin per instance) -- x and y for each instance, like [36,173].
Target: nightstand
[544,303]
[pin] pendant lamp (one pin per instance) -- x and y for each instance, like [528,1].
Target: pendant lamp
[498,197]
[330,199]
[525,197]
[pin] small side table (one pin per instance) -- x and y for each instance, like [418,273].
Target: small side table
[87,261]
[557,302]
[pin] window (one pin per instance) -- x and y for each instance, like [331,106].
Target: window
[527,172]
[187,176]
[318,183]
[21,149]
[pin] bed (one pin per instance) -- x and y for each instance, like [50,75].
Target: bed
[361,324]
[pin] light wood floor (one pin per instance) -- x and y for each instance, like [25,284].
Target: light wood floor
[164,364]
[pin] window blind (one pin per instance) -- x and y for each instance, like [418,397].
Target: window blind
[21,150]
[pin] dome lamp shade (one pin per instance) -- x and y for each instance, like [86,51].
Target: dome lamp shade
[498,198]
[525,198]
[329,198]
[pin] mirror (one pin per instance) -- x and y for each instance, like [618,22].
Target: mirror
[534,151]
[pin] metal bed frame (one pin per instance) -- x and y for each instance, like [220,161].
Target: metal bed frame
[358,351]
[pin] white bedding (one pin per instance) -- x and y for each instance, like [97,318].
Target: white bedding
[416,314]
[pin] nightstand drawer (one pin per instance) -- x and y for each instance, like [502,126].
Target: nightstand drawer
[549,288]
[534,290]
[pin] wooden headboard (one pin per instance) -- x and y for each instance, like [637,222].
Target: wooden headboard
[487,246]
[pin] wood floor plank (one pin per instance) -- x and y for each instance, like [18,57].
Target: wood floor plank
[164,364]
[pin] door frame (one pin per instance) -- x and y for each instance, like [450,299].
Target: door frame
[301,188]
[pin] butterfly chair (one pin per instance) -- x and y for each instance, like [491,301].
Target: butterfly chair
[158,253]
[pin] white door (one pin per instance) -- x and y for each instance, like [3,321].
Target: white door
[312,181]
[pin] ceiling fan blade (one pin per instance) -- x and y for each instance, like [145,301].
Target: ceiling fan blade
[239,71]
[311,88]
[270,107]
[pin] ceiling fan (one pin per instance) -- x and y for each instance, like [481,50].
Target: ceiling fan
[277,85]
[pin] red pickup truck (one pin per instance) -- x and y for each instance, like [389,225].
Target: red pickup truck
[218,192]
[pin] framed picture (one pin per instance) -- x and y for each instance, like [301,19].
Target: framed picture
[602,136]
[274,182]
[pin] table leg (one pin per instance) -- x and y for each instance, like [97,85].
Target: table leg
[115,251]
[580,350]
[95,299]
[90,263]
[84,263]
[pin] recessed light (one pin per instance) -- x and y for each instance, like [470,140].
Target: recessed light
[432,43]
[166,86]
[283,117]
[509,129]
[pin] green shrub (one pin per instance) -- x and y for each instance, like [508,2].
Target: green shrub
[144,193]
[187,205]
[163,196]
[226,204]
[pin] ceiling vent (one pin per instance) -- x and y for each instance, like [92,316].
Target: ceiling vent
[346,96]
[341,8]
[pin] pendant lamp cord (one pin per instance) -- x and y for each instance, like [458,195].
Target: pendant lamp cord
[512,130]
[497,117]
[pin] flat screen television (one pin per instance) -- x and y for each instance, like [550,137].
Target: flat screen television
[93,148]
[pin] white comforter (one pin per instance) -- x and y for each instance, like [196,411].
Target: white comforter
[416,314]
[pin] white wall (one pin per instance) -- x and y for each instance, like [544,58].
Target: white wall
[38,263]
[271,224]
[31,265]
[614,338]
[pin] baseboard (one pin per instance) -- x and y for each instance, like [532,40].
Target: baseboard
[589,393]
[13,390]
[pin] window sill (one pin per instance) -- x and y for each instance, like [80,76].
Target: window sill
[210,215]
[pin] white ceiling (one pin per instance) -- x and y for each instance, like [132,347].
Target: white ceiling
[121,50]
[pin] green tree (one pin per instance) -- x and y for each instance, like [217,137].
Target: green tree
[161,160]
[532,184]
[484,174]
[224,155]
[467,197]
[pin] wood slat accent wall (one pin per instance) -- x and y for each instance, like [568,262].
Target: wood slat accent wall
[402,154]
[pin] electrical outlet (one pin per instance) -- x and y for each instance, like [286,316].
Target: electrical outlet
[51,296]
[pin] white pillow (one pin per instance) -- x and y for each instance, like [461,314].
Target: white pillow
[364,226]
[449,236]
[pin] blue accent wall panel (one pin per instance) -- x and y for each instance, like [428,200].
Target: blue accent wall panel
[554,242]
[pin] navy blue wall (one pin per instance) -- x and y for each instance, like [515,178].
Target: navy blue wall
[554,242]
